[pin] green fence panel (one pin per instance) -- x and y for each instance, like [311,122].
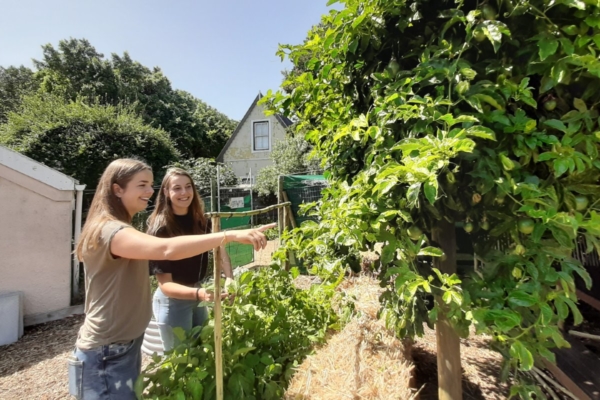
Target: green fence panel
[302,189]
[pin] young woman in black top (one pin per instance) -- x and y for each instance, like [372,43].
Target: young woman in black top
[180,211]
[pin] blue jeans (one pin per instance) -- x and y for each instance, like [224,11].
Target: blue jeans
[170,313]
[106,372]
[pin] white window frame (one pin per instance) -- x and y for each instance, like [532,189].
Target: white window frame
[252,135]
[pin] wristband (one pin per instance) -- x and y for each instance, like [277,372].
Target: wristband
[197,294]
[224,237]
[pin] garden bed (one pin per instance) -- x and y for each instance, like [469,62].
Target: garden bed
[35,366]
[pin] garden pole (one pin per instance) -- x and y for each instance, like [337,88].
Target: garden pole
[281,216]
[216,227]
[279,201]
[448,342]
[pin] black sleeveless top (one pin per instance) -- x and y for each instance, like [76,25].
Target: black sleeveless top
[188,271]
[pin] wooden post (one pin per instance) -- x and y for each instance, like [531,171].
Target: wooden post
[279,201]
[448,342]
[281,216]
[289,209]
[216,227]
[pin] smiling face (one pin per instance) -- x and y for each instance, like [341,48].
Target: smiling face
[136,194]
[181,193]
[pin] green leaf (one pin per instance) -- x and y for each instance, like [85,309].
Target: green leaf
[570,30]
[179,333]
[505,320]
[481,132]
[578,4]
[430,188]
[580,105]
[546,313]
[494,35]
[520,298]
[577,317]
[507,163]
[359,20]
[413,193]
[388,254]
[431,251]
[567,46]
[519,351]
[548,46]
[561,165]
[556,124]
[242,351]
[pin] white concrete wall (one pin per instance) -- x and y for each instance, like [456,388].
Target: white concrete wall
[35,241]
[239,154]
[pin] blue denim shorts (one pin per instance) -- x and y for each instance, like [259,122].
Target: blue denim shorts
[105,372]
[170,313]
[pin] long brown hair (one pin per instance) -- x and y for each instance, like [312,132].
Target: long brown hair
[106,206]
[163,218]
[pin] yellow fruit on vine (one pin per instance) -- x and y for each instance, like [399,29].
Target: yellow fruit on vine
[526,226]
[581,202]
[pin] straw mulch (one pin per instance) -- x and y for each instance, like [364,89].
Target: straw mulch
[480,365]
[363,361]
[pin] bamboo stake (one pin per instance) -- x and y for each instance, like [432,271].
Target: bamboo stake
[216,227]
[584,335]
[247,213]
[544,385]
[554,383]
[290,213]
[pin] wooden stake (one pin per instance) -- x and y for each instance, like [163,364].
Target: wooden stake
[216,227]
[448,342]
[290,213]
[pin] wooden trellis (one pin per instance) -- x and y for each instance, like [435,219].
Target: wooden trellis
[216,227]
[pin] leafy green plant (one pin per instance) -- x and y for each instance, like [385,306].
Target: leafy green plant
[267,331]
[476,114]
[80,139]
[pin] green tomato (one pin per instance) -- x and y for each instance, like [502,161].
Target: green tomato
[485,225]
[468,227]
[450,177]
[550,105]
[519,250]
[414,232]
[526,226]
[581,203]
[479,35]
[393,67]
[489,12]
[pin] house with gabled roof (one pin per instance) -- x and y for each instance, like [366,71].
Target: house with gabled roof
[248,150]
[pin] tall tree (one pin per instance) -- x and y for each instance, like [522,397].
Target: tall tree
[77,70]
[80,139]
[15,82]
[439,120]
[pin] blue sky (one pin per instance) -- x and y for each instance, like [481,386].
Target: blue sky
[222,52]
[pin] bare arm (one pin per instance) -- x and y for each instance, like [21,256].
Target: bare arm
[135,245]
[182,292]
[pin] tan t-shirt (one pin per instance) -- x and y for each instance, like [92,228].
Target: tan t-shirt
[118,304]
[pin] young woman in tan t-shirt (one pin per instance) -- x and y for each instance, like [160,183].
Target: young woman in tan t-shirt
[107,359]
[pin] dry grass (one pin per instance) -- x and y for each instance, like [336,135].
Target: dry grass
[481,368]
[35,367]
[363,361]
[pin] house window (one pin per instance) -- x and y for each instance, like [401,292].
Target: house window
[260,136]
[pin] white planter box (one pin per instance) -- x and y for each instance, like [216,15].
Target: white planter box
[11,317]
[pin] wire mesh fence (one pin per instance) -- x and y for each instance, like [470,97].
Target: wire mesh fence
[301,189]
